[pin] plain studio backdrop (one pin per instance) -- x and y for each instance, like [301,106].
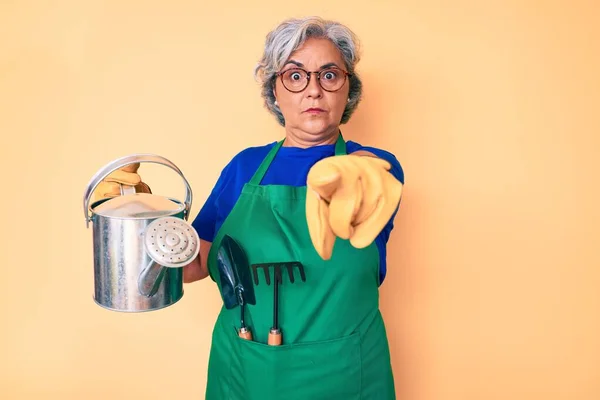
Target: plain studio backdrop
[493,289]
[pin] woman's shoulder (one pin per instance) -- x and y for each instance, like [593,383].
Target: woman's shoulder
[353,146]
[252,154]
[387,155]
[244,162]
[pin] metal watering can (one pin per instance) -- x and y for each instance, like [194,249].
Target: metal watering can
[141,242]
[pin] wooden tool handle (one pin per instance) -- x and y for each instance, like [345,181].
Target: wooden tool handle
[274,337]
[245,333]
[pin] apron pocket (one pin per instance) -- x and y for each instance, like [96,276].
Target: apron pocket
[328,370]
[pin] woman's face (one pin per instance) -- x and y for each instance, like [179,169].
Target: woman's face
[313,115]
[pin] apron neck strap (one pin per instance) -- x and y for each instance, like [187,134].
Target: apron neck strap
[340,146]
[340,149]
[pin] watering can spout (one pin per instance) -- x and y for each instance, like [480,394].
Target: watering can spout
[150,278]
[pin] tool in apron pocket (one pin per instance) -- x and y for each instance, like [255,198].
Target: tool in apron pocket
[236,284]
[275,335]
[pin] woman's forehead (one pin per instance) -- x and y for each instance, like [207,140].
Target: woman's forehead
[316,53]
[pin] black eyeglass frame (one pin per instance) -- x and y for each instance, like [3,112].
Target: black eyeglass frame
[309,75]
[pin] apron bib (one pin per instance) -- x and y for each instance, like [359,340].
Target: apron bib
[334,340]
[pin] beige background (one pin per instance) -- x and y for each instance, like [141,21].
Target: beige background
[493,289]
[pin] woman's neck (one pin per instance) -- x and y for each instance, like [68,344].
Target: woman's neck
[305,141]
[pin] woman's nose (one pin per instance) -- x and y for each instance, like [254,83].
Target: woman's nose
[314,89]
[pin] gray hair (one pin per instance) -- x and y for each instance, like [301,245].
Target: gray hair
[291,34]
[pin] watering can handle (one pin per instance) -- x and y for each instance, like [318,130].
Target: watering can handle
[127,160]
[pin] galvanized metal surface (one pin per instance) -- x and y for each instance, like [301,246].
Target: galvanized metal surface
[126,278]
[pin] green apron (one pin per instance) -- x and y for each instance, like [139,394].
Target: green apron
[334,339]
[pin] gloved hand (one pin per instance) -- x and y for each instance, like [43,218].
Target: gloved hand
[110,186]
[352,197]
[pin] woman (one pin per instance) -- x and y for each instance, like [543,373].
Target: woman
[314,199]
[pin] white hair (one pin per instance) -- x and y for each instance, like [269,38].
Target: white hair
[290,35]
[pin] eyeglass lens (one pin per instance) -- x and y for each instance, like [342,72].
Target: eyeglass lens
[330,79]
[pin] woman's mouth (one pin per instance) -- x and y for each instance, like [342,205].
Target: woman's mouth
[314,110]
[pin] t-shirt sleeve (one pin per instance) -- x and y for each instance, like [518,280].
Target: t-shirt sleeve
[396,169]
[205,221]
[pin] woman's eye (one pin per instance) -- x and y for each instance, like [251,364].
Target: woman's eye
[330,75]
[296,76]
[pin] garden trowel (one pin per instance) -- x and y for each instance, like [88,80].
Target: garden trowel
[236,284]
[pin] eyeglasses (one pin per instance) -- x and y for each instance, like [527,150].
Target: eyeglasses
[297,79]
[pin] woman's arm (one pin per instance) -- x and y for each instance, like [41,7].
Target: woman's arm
[364,153]
[198,269]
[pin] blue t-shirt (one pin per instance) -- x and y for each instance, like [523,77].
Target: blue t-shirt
[242,167]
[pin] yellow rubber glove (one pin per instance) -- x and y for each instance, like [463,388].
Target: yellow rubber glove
[111,185]
[352,197]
